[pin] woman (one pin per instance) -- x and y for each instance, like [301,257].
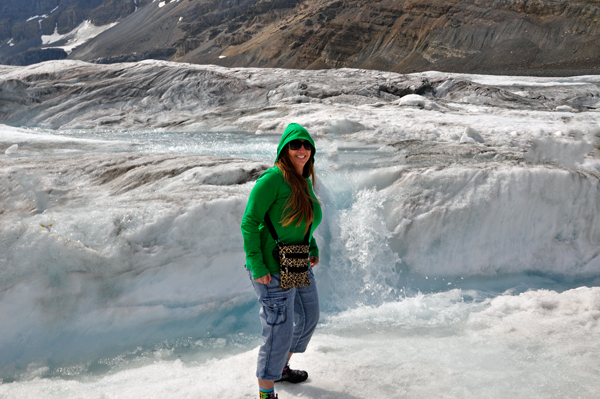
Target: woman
[288,316]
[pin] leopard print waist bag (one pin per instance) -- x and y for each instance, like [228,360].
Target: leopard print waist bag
[293,259]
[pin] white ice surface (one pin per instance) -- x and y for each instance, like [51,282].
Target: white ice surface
[12,149]
[354,103]
[447,267]
[538,344]
[9,133]
[496,219]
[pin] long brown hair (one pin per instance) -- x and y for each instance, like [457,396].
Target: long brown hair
[299,206]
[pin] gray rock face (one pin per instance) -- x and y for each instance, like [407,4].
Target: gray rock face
[26,19]
[542,37]
[35,56]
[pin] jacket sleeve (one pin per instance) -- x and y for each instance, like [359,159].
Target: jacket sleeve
[261,198]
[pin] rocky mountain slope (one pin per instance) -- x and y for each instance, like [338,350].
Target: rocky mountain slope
[24,23]
[488,36]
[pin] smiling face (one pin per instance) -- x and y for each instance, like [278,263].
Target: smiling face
[299,157]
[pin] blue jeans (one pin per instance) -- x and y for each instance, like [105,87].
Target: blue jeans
[288,318]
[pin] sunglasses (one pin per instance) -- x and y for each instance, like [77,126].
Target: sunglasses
[296,144]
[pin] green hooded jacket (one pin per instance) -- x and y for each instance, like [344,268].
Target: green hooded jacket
[270,194]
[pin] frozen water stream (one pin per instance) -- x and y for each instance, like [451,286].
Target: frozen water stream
[451,267]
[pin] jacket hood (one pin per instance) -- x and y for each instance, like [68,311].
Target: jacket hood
[293,132]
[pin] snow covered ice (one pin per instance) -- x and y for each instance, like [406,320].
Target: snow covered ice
[81,34]
[459,249]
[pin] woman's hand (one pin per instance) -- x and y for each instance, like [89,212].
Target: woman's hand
[266,279]
[314,260]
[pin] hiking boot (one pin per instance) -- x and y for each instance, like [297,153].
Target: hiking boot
[293,376]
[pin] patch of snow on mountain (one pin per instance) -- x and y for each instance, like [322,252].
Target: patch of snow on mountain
[53,38]
[84,32]
[37,17]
